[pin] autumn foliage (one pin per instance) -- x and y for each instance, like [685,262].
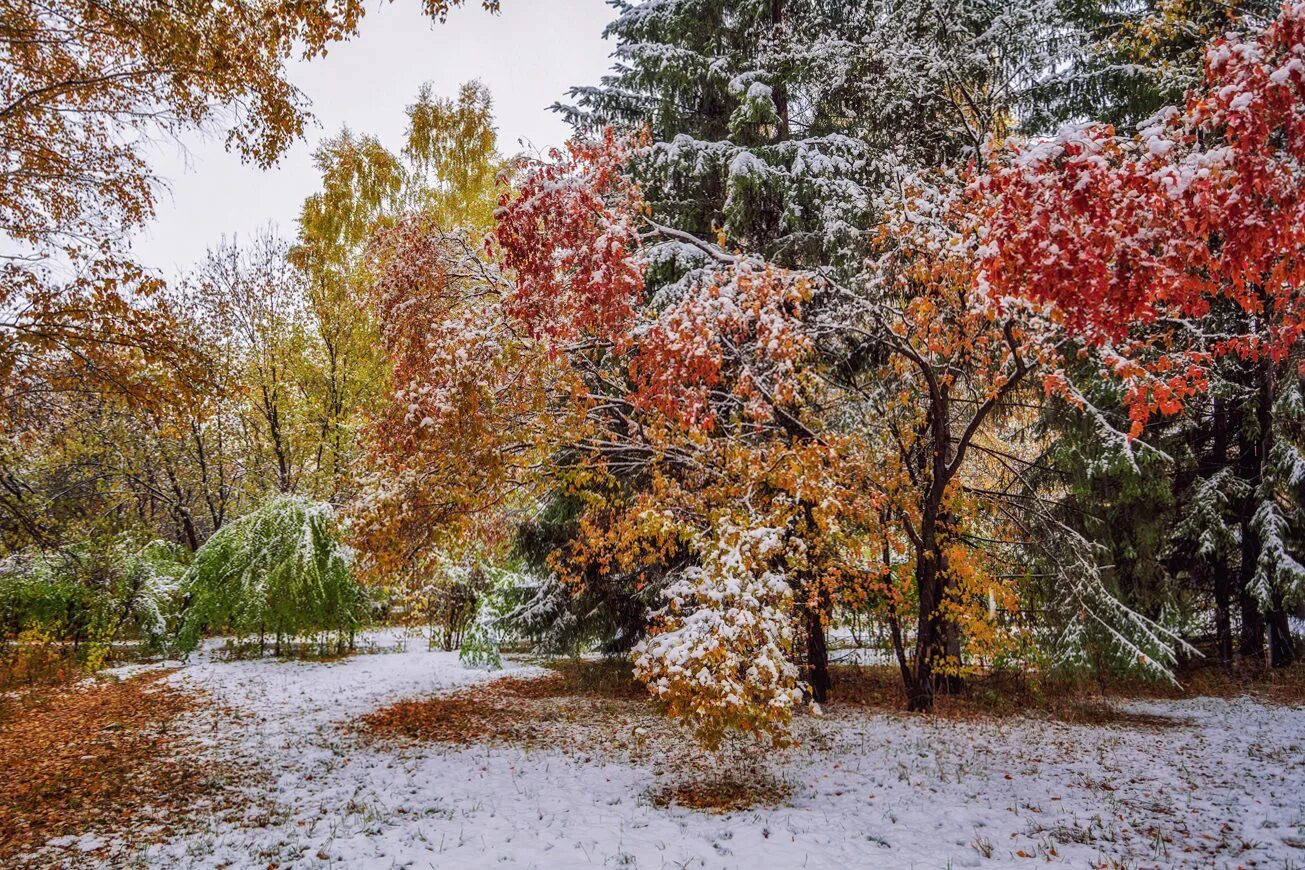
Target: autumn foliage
[1134,239]
[753,353]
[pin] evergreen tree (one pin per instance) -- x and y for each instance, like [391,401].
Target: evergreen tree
[778,123]
[1135,58]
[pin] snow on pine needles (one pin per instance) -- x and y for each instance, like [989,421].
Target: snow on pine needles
[1175,783]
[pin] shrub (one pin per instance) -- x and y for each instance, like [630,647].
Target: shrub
[280,571]
[62,611]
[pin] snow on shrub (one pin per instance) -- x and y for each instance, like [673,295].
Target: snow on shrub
[279,571]
[147,590]
[719,654]
[79,600]
[493,623]
[480,644]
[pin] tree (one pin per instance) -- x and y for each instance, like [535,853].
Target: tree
[448,172]
[778,123]
[750,432]
[93,427]
[784,129]
[1180,550]
[1198,212]
[714,403]
[1137,58]
[281,569]
[677,437]
[450,444]
[253,308]
[88,86]
[81,76]
[87,598]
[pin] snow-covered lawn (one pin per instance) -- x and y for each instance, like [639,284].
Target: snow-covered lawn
[1225,787]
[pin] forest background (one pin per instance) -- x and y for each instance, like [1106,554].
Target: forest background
[973,328]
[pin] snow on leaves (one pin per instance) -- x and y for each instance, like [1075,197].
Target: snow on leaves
[742,317]
[569,235]
[1148,232]
[763,441]
[720,652]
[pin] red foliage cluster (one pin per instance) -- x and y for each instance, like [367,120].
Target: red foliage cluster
[745,318]
[1204,204]
[569,235]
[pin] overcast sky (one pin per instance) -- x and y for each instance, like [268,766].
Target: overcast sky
[528,55]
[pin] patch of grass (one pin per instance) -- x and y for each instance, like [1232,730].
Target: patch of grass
[94,756]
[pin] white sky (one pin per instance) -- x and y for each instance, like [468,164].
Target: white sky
[528,55]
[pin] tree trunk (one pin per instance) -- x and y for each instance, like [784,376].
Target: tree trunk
[1250,469]
[1281,652]
[817,665]
[952,683]
[1252,633]
[929,634]
[1222,579]
[1223,611]
[779,92]
[919,694]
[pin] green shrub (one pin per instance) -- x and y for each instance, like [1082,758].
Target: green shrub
[281,572]
[63,610]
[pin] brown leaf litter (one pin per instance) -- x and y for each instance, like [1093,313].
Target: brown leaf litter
[591,710]
[97,757]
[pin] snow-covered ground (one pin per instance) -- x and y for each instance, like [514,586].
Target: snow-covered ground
[1224,788]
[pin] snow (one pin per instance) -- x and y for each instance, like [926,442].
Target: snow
[869,789]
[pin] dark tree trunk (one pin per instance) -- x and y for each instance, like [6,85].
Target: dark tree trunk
[1250,469]
[1223,611]
[952,682]
[930,577]
[780,92]
[1254,454]
[1252,630]
[1222,579]
[899,648]
[1252,633]
[817,658]
[1281,652]
[929,633]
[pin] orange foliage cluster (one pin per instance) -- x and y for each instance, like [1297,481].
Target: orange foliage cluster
[692,431]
